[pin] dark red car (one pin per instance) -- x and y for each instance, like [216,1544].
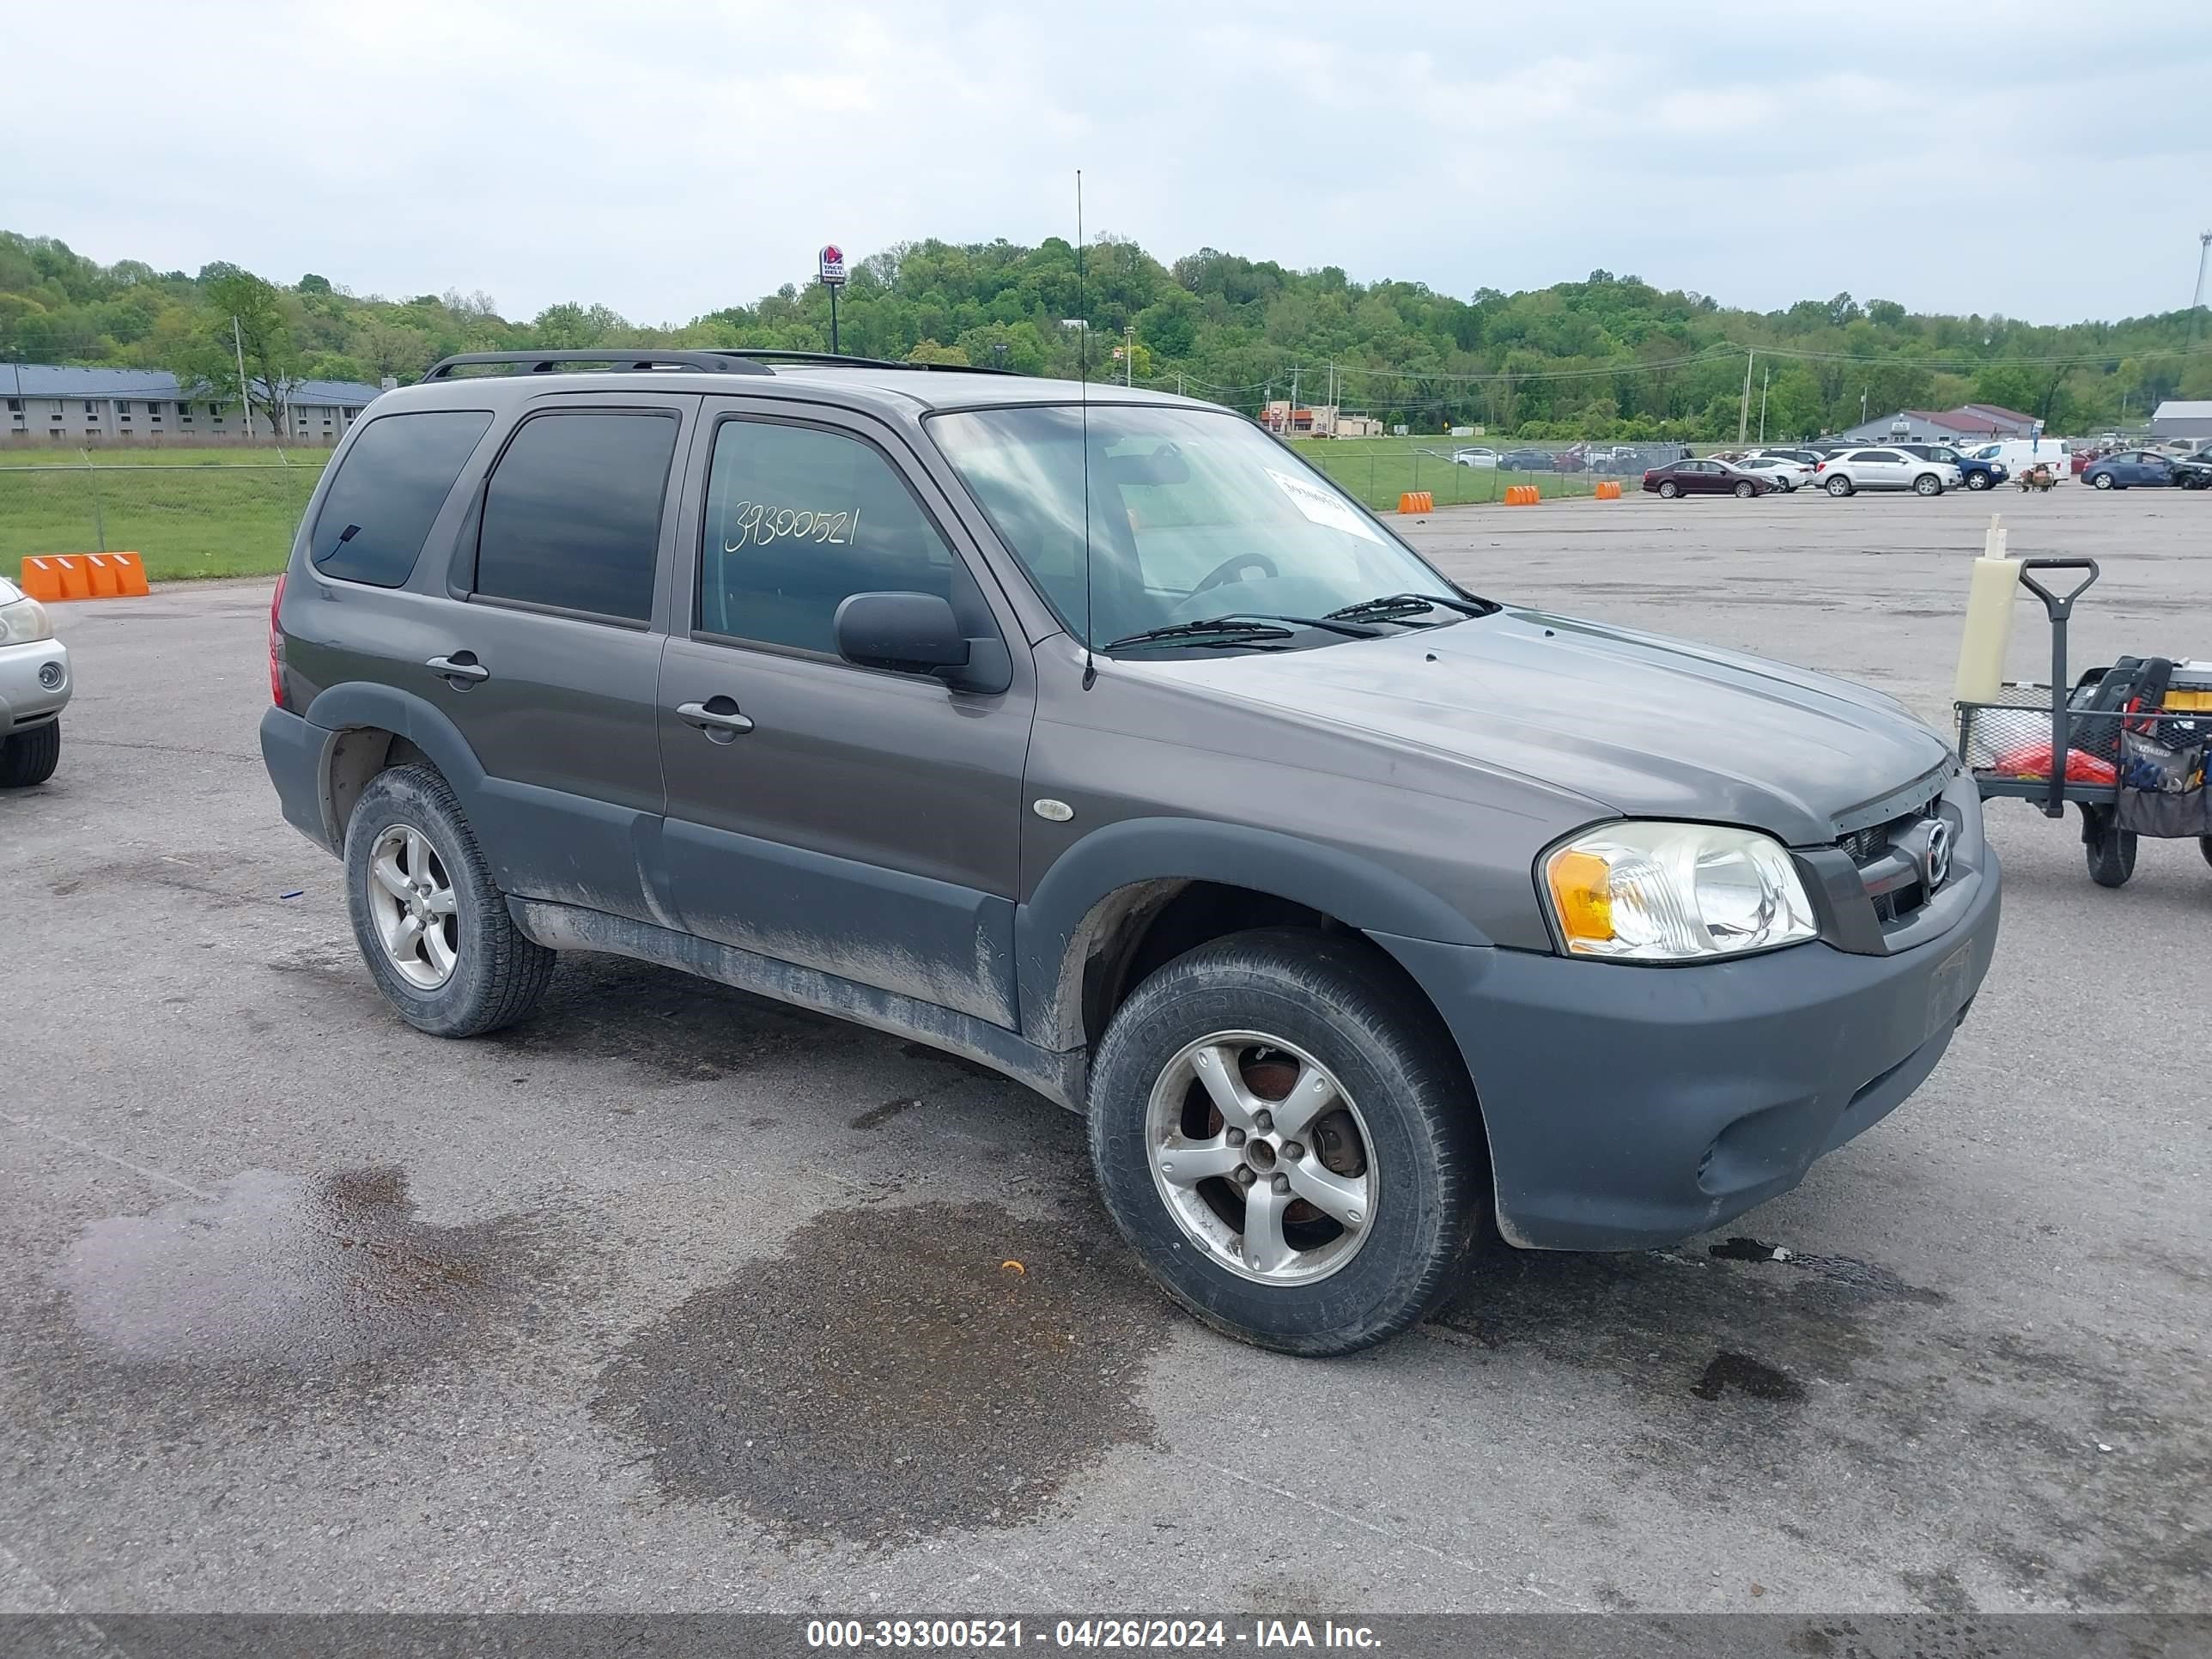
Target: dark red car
[1693,478]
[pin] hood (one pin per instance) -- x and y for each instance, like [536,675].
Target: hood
[1651,726]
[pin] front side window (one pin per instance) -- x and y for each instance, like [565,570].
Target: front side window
[387,492]
[797,519]
[572,514]
[1192,515]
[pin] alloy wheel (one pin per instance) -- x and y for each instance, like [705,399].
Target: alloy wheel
[1262,1158]
[411,899]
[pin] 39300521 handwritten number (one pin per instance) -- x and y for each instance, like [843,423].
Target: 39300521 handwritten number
[758,525]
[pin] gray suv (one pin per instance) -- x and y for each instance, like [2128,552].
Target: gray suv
[1102,741]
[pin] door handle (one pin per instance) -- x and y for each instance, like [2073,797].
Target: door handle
[718,717]
[461,665]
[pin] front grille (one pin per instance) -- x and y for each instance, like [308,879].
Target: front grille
[1878,856]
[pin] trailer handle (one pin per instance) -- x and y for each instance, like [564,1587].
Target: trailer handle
[2058,607]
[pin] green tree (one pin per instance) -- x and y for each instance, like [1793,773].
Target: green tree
[241,315]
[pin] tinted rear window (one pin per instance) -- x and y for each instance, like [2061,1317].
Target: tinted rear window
[388,490]
[572,515]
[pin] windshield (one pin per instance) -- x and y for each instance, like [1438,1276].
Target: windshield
[1194,515]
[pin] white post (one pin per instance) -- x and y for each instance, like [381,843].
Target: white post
[1764,381]
[1743,408]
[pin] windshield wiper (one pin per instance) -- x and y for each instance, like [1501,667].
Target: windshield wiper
[1248,625]
[1228,626]
[1395,607]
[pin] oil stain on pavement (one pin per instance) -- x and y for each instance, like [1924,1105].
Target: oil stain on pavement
[277,1288]
[897,1372]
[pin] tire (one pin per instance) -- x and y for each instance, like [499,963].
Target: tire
[1668,490]
[493,975]
[2103,481]
[2204,846]
[1977,481]
[1839,486]
[1409,1116]
[2111,849]
[29,757]
[1745,490]
[1928,484]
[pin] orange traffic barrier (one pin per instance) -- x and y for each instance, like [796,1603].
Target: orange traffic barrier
[84,575]
[1609,490]
[1522,495]
[1418,501]
[131,575]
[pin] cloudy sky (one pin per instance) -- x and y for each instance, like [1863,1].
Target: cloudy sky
[668,159]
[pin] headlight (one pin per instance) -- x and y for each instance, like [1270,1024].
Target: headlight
[1675,892]
[24,621]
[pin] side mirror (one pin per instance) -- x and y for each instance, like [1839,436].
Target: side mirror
[918,634]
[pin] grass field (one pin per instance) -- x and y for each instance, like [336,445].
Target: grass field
[1380,469]
[187,512]
[311,456]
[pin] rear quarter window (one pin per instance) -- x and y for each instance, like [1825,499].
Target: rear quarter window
[387,491]
[572,513]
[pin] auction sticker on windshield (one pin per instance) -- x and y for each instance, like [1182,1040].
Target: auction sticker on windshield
[1322,507]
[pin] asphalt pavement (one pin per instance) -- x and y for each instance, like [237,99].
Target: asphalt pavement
[670,1299]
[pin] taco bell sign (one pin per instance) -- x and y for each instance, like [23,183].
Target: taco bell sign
[832,266]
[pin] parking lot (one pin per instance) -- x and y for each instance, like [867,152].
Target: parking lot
[672,1299]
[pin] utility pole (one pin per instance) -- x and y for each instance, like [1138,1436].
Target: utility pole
[1743,408]
[1764,381]
[1863,398]
[1128,354]
[245,402]
[2196,303]
[1291,414]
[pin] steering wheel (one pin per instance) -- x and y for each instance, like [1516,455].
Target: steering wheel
[1229,567]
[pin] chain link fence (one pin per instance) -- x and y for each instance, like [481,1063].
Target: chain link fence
[1378,471]
[201,517]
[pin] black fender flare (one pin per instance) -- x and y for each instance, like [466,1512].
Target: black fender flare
[343,709]
[1089,887]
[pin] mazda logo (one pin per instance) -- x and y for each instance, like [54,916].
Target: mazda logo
[1939,852]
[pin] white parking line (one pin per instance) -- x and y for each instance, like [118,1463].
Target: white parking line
[37,1128]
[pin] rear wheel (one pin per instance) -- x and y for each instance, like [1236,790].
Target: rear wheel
[1668,490]
[1840,486]
[1745,490]
[2111,849]
[2103,481]
[29,757]
[1928,484]
[432,928]
[1292,1150]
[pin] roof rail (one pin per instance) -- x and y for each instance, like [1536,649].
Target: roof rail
[840,360]
[546,362]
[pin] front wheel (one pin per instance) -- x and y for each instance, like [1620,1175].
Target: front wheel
[2111,849]
[1839,487]
[1977,481]
[1293,1150]
[1668,490]
[1745,490]
[1928,484]
[2103,481]
[29,757]
[432,928]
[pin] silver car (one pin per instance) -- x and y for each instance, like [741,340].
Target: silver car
[34,686]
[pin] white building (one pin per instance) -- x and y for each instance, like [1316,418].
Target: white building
[52,403]
[2179,418]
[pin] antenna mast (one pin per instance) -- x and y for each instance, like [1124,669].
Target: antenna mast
[1083,400]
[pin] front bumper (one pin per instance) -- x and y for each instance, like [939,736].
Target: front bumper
[1631,1107]
[26,699]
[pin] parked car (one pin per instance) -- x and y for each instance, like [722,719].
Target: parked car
[2060,455]
[1360,916]
[35,689]
[2130,469]
[1476,456]
[1777,469]
[1526,460]
[1883,467]
[1804,454]
[1695,478]
[1974,472]
[2195,472]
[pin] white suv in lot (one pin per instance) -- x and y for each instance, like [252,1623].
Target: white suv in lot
[1885,469]
[34,685]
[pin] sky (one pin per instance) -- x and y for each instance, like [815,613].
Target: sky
[668,160]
